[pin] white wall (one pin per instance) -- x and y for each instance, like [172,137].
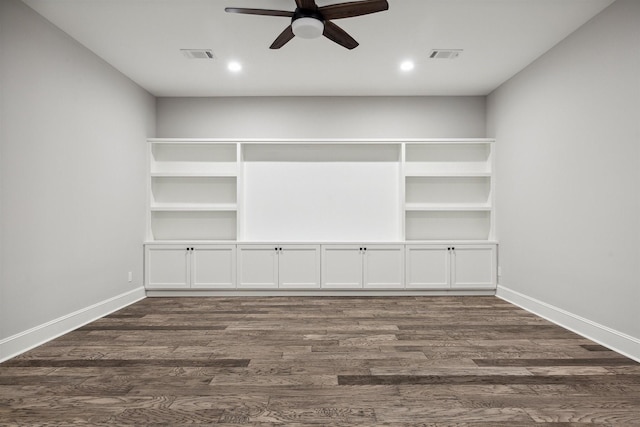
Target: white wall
[568,176]
[322,117]
[72,175]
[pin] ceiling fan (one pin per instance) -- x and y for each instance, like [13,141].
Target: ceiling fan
[310,21]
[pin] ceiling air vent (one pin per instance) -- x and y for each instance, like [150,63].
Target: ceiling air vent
[444,53]
[197,53]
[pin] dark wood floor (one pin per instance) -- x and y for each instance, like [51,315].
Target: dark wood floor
[451,361]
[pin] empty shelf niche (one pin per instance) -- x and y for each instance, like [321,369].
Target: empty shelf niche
[193,193]
[448,225]
[193,225]
[448,192]
[448,158]
[193,159]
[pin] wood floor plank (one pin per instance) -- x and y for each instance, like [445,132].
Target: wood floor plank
[117,363]
[482,379]
[309,361]
[556,362]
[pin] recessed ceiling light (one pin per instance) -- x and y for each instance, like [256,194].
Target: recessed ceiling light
[234,66]
[407,66]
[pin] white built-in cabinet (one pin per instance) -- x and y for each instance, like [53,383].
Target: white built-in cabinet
[363,266]
[278,266]
[215,207]
[194,266]
[450,267]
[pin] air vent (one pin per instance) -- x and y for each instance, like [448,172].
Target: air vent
[444,53]
[197,53]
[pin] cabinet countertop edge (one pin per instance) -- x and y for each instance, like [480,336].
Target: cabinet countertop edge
[273,242]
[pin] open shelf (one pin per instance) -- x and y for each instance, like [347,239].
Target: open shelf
[193,225]
[184,159]
[193,190]
[203,207]
[418,170]
[448,225]
[444,207]
[442,159]
[226,170]
[448,190]
[321,190]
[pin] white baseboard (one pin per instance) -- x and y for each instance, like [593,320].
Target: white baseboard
[615,340]
[24,341]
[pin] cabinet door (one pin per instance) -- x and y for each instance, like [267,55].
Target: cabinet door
[474,266]
[299,266]
[427,267]
[167,267]
[258,266]
[341,266]
[384,266]
[213,267]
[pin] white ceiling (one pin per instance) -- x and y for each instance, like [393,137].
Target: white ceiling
[143,38]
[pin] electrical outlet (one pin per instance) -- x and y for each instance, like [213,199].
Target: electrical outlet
[499,271]
[130,277]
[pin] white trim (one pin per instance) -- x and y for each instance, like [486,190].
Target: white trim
[319,140]
[608,337]
[38,335]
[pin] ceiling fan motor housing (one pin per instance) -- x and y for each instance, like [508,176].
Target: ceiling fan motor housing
[307,24]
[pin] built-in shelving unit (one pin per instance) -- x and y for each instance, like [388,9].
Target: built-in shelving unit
[383,214]
[193,190]
[448,190]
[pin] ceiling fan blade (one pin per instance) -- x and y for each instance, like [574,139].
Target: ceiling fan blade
[354,8]
[306,4]
[283,38]
[338,35]
[264,12]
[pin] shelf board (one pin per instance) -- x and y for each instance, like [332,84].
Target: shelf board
[187,174]
[445,174]
[321,140]
[193,168]
[447,207]
[449,141]
[194,207]
[204,141]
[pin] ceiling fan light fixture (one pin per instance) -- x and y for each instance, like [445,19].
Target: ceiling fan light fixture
[307,28]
